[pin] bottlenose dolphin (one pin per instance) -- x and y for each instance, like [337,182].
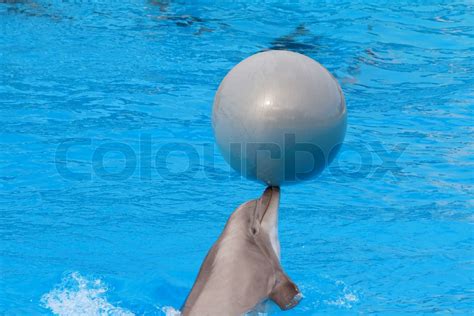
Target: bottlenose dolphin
[242,269]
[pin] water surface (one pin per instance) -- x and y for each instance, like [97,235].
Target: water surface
[387,229]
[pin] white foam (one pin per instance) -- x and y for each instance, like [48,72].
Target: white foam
[76,295]
[346,299]
[170,311]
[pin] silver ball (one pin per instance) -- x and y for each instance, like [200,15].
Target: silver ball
[279,117]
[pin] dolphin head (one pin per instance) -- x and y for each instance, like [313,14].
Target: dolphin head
[259,218]
[259,214]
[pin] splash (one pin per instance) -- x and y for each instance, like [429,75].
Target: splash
[76,295]
[346,299]
[170,311]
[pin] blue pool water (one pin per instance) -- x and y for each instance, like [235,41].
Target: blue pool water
[99,217]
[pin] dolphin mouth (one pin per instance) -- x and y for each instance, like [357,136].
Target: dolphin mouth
[271,193]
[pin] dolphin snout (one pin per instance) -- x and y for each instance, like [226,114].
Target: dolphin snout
[268,203]
[270,193]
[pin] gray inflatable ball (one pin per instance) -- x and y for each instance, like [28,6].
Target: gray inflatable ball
[279,117]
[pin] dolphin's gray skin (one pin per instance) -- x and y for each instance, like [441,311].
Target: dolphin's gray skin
[242,269]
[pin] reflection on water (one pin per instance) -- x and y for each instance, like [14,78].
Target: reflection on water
[300,40]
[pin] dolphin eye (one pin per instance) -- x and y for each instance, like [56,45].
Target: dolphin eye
[254,230]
